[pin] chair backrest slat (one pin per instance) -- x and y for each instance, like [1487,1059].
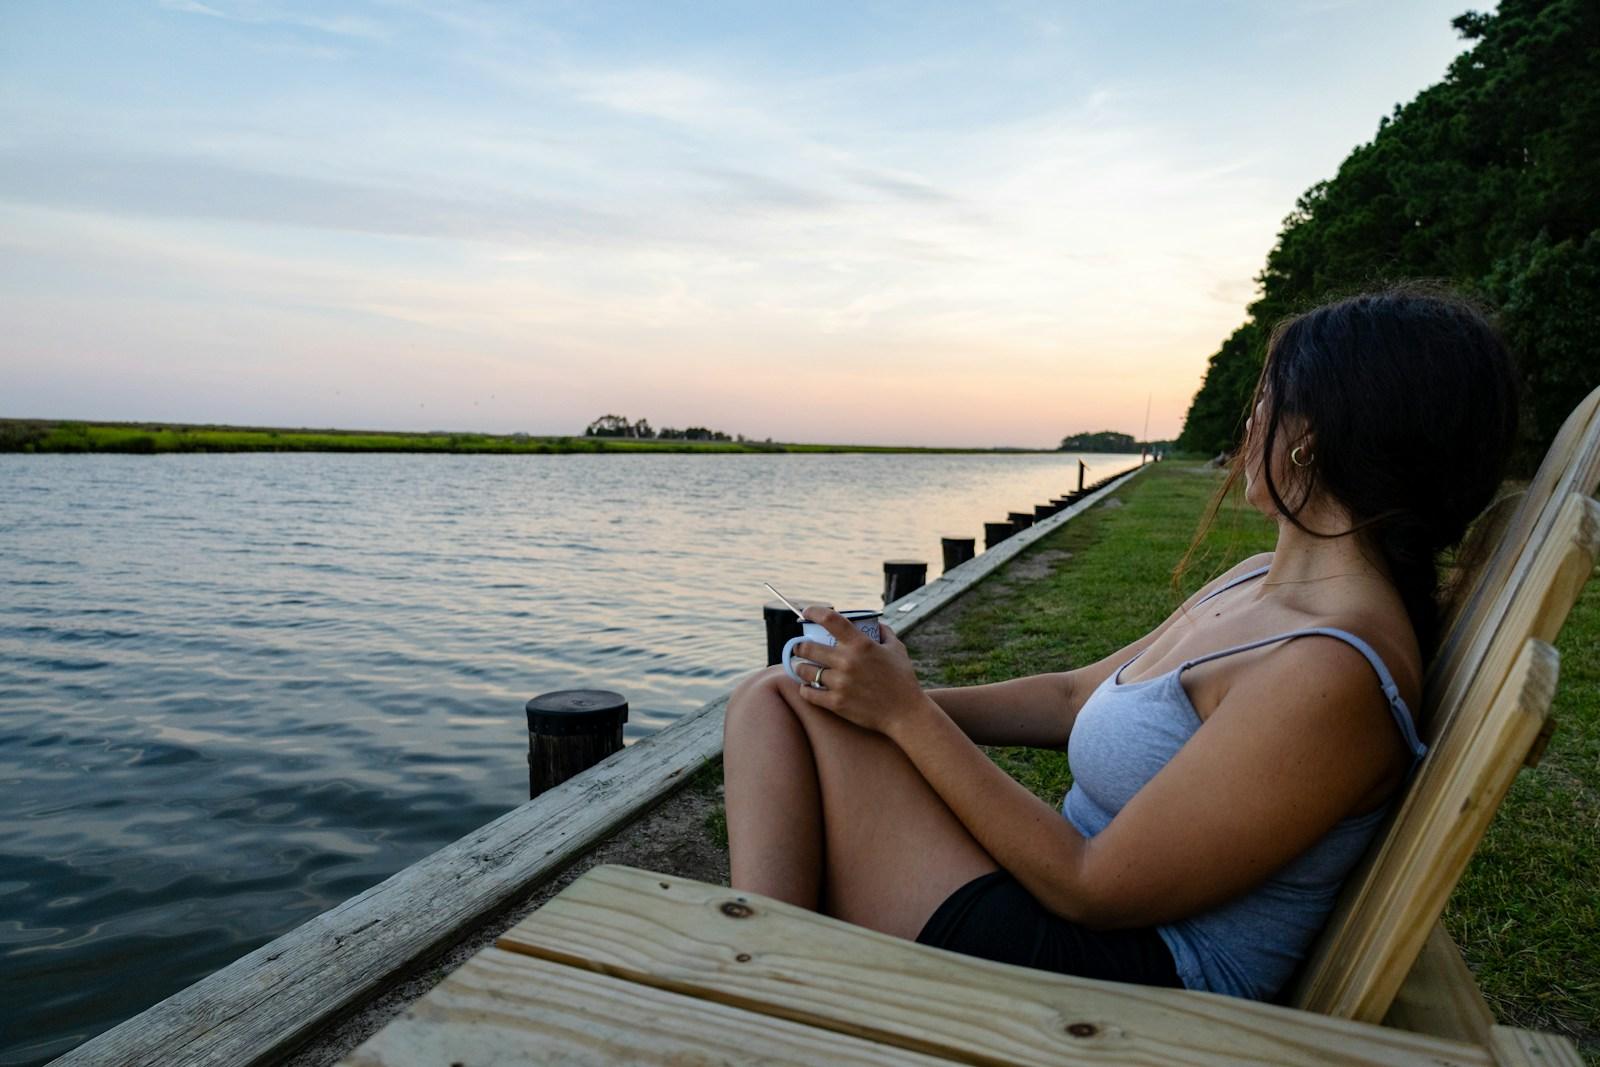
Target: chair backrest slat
[1480,700]
[1572,465]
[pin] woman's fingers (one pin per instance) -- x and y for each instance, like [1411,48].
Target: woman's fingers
[842,629]
[816,652]
[822,698]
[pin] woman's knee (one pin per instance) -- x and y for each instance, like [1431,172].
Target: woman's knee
[753,683]
[755,694]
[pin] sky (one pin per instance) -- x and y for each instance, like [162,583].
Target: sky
[964,224]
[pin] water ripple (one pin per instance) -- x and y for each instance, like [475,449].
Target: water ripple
[236,690]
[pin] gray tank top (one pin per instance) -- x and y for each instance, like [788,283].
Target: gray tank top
[1127,731]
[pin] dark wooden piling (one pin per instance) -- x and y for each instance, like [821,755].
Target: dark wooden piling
[995,532]
[570,730]
[781,625]
[1020,519]
[901,576]
[957,550]
[1082,466]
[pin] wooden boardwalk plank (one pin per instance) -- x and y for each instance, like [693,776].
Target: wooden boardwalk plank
[504,1009]
[766,956]
[919,604]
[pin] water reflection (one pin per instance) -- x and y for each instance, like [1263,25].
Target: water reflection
[236,690]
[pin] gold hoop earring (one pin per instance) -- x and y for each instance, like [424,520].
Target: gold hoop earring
[1294,457]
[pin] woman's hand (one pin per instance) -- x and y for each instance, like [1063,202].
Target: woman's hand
[872,685]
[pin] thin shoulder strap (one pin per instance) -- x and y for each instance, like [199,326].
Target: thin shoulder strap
[1397,704]
[1237,580]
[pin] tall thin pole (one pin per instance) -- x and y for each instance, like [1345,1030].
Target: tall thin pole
[1144,442]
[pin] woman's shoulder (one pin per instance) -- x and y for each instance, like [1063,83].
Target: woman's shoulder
[1252,563]
[1390,637]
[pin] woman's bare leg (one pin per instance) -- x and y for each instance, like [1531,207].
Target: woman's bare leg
[773,802]
[817,806]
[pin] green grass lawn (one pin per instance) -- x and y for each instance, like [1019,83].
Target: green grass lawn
[1527,913]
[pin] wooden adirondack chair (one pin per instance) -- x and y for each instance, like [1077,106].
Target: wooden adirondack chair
[632,965]
[1485,712]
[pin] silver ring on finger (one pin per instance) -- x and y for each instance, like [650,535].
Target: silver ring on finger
[816,683]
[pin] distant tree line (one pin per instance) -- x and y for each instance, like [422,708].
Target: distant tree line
[619,426]
[1489,180]
[1104,441]
[1110,441]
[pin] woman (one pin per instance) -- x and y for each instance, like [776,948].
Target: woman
[1229,767]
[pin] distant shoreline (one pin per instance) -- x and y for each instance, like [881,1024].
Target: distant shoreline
[150,438]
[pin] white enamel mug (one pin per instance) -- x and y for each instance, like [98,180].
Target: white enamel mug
[866,621]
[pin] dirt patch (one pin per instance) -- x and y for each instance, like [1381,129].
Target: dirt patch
[1029,567]
[932,640]
[678,837]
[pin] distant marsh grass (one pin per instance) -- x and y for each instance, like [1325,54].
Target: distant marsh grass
[24,435]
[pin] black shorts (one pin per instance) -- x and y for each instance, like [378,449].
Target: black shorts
[993,917]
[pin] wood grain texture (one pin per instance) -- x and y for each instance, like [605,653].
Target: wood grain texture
[1531,1048]
[270,1000]
[1362,955]
[1470,567]
[1571,465]
[503,1008]
[1426,852]
[1526,582]
[764,956]
[1440,997]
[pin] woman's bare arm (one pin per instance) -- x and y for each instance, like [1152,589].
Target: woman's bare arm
[1035,711]
[1295,746]
[1039,710]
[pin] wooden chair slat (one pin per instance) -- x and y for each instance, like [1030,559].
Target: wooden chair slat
[1354,969]
[1470,567]
[1427,851]
[504,1008]
[1543,587]
[1571,465]
[765,956]
[1439,996]
[1531,1048]
[1432,850]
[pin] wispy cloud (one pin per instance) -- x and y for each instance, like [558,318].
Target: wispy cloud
[1031,213]
[266,15]
[190,7]
[194,187]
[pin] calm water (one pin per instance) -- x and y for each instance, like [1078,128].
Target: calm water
[236,690]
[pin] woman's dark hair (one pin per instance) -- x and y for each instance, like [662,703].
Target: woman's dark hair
[1409,401]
